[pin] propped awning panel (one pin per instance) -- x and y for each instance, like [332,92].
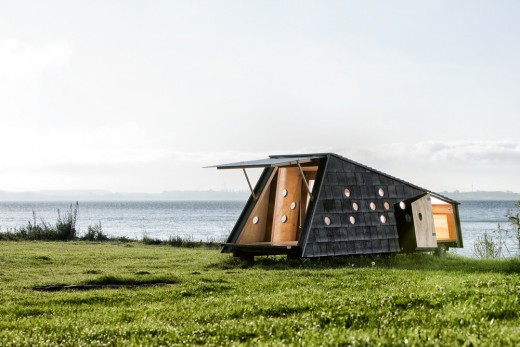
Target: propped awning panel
[269,162]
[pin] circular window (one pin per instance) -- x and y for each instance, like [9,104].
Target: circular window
[355,206]
[284,193]
[420,216]
[284,219]
[402,205]
[256,220]
[326,220]
[293,205]
[352,220]
[373,206]
[347,192]
[382,219]
[381,192]
[386,205]
[408,218]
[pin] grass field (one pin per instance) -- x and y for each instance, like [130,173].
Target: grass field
[178,296]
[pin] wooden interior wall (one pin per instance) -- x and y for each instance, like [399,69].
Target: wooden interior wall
[310,176]
[270,211]
[423,223]
[444,221]
[272,205]
[257,232]
[285,219]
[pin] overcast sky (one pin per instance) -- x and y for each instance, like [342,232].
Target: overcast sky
[138,96]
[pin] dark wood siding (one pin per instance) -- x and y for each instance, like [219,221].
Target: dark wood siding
[368,235]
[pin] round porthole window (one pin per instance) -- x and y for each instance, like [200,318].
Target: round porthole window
[420,216]
[284,219]
[381,192]
[284,193]
[373,206]
[386,205]
[402,205]
[382,219]
[293,205]
[256,220]
[355,206]
[347,192]
[326,220]
[352,220]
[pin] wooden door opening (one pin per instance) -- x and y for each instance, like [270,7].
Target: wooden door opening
[415,224]
[280,210]
[444,220]
[423,223]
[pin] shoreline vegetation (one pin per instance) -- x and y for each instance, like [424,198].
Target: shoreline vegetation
[64,229]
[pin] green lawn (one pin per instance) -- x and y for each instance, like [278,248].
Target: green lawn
[208,298]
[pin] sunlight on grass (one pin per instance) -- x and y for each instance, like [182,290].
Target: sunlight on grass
[214,299]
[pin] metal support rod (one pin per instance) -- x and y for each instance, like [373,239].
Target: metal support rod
[305,180]
[249,184]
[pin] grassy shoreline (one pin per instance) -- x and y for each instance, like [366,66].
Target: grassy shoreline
[209,298]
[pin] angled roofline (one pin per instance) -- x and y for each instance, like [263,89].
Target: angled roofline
[318,155]
[269,162]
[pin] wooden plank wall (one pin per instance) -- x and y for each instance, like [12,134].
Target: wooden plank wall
[423,222]
[257,232]
[369,234]
[288,190]
[444,220]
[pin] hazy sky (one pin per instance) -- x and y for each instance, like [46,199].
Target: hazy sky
[138,96]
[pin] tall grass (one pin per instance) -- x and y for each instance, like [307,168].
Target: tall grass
[496,246]
[514,219]
[63,230]
[95,233]
[487,247]
[179,241]
[66,225]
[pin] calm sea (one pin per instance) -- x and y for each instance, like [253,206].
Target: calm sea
[209,220]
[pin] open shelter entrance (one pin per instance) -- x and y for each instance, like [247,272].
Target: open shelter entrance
[274,221]
[447,222]
[425,222]
[280,211]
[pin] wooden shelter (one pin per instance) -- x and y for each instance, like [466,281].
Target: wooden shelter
[319,205]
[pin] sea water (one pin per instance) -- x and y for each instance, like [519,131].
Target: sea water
[196,220]
[479,217]
[212,220]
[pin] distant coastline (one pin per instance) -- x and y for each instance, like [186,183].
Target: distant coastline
[101,195]
[482,195]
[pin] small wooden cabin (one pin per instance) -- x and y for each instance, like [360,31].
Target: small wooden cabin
[319,205]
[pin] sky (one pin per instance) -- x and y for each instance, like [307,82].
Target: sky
[139,96]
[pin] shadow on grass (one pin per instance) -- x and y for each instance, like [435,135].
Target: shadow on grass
[111,282]
[413,261]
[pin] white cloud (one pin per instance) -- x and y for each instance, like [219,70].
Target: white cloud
[49,147]
[94,97]
[27,72]
[449,151]
[19,59]
[119,158]
[450,165]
